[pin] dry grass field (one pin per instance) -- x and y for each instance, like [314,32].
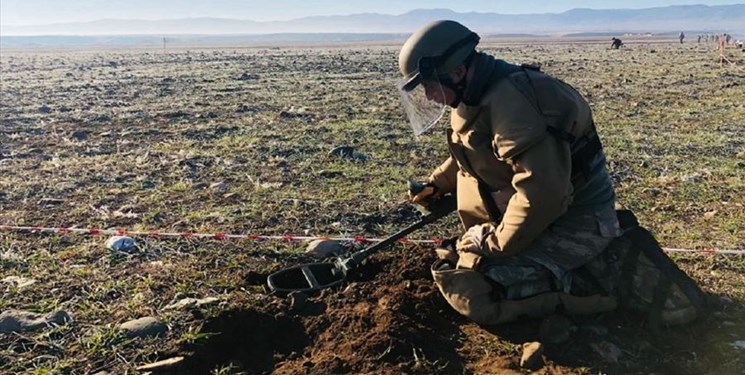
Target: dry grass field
[237,140]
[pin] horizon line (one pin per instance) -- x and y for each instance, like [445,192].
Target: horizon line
[355,14]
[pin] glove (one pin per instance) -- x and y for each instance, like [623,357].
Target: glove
[423,193]
[446,250]
[473,241]
[472,246]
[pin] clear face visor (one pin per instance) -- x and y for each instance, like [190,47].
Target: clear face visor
[423,101]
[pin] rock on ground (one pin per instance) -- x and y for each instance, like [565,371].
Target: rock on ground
[532,355]
[20,321]
[144,327]
[122,243]
[324,248]
[188,302]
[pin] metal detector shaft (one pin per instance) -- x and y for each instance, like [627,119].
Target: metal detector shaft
[438,209]
[317,276]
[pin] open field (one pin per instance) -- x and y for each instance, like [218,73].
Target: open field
[238,140]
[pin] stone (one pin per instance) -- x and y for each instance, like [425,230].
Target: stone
[556,329]
[324,248]
[532,357]
[122,243]
[20,321]
[144,327]
[188,302]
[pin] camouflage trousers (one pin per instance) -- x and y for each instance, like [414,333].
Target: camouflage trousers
[550,263]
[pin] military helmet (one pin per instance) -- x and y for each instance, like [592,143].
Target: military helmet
[439,46]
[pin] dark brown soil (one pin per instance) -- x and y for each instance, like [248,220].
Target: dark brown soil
[390,319]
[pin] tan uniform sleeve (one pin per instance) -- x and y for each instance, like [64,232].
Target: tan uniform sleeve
[445,176]
[542,166]
[542,182]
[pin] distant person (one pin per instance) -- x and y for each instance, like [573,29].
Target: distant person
[616,43]
[681,36]
[534,196]
[727,38]
[699,38]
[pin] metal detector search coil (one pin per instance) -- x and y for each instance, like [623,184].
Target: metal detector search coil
[316,276]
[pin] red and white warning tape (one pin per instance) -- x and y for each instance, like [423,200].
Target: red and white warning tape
[217,235]
[285,237]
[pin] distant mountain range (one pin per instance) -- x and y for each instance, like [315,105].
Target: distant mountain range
[724,18]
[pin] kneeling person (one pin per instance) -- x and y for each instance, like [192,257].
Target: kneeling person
[528,171]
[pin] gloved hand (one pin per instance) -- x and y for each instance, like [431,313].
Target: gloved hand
[474,240]
[446,250]
[472,246]
[423,193]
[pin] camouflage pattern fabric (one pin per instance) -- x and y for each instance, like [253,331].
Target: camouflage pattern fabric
[576,239]
[639,287]
[587,255]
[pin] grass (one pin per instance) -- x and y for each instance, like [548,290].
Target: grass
[163,128]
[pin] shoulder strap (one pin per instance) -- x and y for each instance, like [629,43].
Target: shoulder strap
[583,148]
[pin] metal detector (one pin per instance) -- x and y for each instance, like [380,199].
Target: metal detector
[316,276]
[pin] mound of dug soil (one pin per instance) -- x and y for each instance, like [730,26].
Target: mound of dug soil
[390,319]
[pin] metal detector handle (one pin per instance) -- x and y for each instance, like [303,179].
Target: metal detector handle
[415,187]
[439,208]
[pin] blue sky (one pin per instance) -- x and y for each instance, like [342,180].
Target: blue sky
[34,12]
